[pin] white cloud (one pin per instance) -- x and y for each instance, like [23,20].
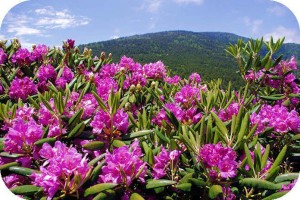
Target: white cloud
[152,23]
[113,37]
[2,37]
[189,1]
[291,35]
[23,30]
[151,5]
[19,25]
[276,10]
[254,25]
[40,21]
[52,19]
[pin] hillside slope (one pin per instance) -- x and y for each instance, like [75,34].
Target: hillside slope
[184,52]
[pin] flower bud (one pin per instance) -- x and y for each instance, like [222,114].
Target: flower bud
[153,84]
[110,56]
[102,56]
[76,49]
[138,87]
[127,106]
[132,88]
[122,70]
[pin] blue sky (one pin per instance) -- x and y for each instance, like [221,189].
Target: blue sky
[53,21]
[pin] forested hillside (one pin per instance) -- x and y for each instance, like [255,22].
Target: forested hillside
[184,52]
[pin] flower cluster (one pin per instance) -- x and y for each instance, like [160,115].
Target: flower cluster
[66,77]
[173,80]
[22,57]
[155,70]
[104,87]
[279,78]
[226,114]
[187,95]
[62,169]
[3,56]
[103,122]
[21,88]
[194,79]
[39,52]
[46,72]
[46,118]
[220,161]
[124,165]
[288,187]
[22,136]
[277,117]
[267,166]
[163,161]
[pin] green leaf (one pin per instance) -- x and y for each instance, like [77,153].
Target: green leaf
[159,183]
[276,195]
[186,178]
[44,140]
[99,100]
[248,156]
[186,187]
[272,98]
[118,143]
[265,156]
[296,137]
[279,159]
[8,165]
[107,195]
[97,159]
[99,188]
[25,189]
[8,155]
[286,177]
[77,130]
[137,134]
[96,171]
[197,182]
[259,184]
[215,191]
[221,126]
[22,170]
[95,145]
[75,118]
[136,196]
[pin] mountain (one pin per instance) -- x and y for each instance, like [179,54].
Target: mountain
[184,52]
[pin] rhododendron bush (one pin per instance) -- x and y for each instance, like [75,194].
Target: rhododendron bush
[75,126]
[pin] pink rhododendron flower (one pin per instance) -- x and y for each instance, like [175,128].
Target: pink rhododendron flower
[21,88]
[3,56]
[110,124]
[277,117]
[21,57]
[124,165]
[187,95]
[22,136]
[46,72]
[163,161]
[226,114]
[195,78]
[155,70]
[66,77]
[220,160]
[62,169]
[104,87]
[39,51]
[173,80]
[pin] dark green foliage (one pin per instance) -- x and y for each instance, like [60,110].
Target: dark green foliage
[185,52]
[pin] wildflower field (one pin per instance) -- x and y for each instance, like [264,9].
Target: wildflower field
[75,126]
